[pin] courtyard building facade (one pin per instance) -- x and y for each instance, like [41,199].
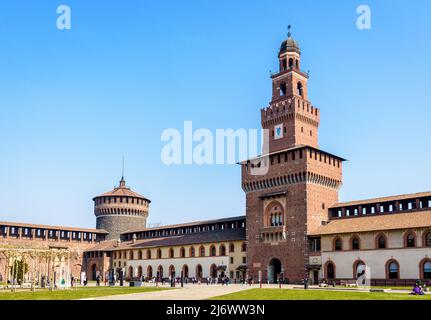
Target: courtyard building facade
[294,227]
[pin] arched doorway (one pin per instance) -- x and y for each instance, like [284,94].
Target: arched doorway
[160,271]
[185,271]
[139,272]
[274,270]
[330,270]
[93,272]
[213,271]
[171,270]
[149,272]
[130,274]
[358,269]
[199,271]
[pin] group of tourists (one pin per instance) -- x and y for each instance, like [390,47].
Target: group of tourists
[222,279]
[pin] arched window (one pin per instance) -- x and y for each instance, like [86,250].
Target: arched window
[393,269]
[284,64]
[202,251]
[222,250]
[283,88]
[427,239]
[140,254]
[290,63]
[182,253]
[274,215]
[192,251]
[148,254]
[381,242]
[213,251]
[159,254]
[300,89]
[330,270]
[244,247]
[355,243]
[426,269]
[410,241]
[131,255]
[171,253]
[231,247]
[338,245]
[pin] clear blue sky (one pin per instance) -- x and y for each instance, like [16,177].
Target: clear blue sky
[74,102]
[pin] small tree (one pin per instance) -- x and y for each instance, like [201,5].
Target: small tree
[20,269]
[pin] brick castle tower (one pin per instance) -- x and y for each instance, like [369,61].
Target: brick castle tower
[120,210]
[291,199]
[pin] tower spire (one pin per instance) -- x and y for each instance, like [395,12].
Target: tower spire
[122,181]
[122,171]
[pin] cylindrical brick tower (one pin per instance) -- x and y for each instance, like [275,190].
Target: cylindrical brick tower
[120,210]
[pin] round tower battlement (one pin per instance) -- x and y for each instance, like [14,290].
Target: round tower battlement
[120,210]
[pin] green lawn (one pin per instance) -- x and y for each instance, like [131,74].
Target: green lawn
[294,294]
[78,293]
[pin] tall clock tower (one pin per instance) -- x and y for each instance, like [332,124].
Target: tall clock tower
[299,125]
[291,197]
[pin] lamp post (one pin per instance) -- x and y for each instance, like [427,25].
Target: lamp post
[260,278]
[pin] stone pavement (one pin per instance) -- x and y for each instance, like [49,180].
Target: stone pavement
[189,292]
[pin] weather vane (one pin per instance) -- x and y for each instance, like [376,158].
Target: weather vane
[288,30]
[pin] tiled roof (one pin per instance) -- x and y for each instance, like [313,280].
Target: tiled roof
[185,239]
[42,226]
[383,199]
[187,224]
[377,222]
[122,191]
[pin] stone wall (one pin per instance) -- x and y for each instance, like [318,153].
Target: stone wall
[117,224]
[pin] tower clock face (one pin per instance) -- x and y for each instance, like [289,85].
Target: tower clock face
[278,131]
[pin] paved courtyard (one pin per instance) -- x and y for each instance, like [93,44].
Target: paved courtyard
[188,292]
